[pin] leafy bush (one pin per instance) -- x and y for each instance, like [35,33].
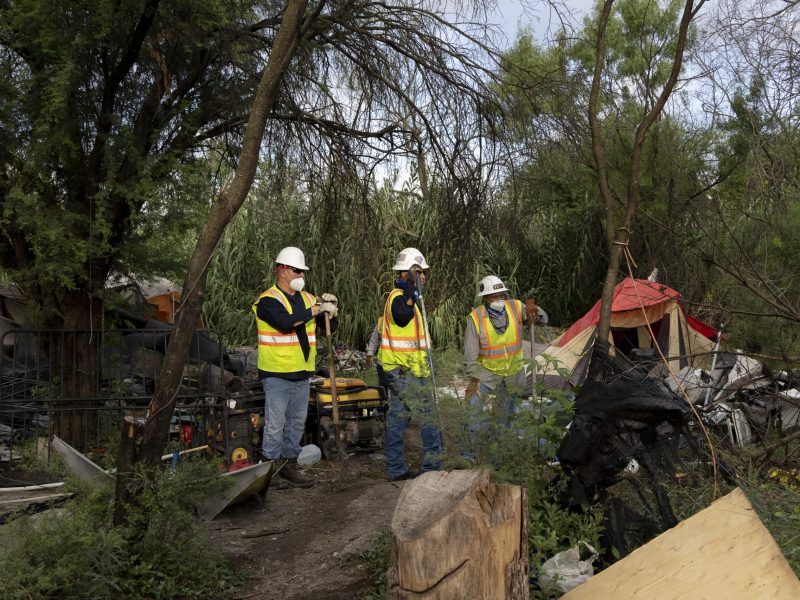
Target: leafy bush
[376,563]
[521,454]
[77,553]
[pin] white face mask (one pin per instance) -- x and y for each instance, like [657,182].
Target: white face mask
[298,284]
[497,305]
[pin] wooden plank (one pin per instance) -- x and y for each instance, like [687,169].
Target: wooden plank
[724,552]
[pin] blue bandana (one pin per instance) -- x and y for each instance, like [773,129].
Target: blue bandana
[495,313]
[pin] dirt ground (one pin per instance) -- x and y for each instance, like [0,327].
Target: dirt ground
[306,543]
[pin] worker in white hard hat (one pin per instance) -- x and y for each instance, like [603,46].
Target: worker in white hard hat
[287,317]
[493,358]
[403,354]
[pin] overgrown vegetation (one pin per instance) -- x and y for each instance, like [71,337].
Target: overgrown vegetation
[521,454]
[75,552]
[524,454]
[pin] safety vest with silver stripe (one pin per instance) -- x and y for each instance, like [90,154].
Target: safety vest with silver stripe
[500,353]
[280,352]
[406,346]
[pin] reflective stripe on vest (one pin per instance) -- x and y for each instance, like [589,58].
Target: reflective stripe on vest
[500,353]
[280,352]
[403,346]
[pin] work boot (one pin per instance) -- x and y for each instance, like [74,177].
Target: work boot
[292,473]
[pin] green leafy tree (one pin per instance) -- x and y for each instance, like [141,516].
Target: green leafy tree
[103,107]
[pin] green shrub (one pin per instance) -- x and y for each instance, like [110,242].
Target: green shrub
[376,563]
[520,454]
[77,553]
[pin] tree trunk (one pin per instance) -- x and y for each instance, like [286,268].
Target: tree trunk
[617,238]
[125,457]
[223,210]
[456,535]
[74,363]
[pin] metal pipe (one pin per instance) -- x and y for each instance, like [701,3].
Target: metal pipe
[713,366]
[428,340]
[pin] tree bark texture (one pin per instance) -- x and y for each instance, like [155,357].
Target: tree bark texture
[457,535]
[222,212]
[126,455]
[227,204]
[74,363]
[618,237]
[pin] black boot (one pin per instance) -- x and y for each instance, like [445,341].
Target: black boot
[292,473]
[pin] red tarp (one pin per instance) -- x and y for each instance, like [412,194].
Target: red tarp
[631,294]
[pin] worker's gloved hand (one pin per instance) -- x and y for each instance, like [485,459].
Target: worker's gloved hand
[330,298]
[330,308]
[368,361]
[472,387]
[411,290]
[531,310]
[414,274]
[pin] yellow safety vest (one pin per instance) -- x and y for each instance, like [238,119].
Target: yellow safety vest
[499,353]
[280,352]
[403,346]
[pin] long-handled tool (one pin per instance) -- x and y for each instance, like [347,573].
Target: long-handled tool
[533,360]
[425,330]
[335,401]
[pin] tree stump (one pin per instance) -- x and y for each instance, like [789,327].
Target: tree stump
[457,535]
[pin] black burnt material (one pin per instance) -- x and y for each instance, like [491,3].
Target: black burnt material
[629,415]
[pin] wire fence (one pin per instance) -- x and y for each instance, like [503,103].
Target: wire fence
[79,385]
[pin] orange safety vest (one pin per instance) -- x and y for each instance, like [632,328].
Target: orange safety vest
[500,353]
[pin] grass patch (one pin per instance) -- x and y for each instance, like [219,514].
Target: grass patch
[78,553]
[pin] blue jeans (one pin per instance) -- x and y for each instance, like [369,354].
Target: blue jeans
[408,393]
[504,408]
[285,410]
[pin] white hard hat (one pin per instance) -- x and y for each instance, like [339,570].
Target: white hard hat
[407,258]
[491,285]
[292,257]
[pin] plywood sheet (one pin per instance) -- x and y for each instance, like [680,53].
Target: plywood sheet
[722,553]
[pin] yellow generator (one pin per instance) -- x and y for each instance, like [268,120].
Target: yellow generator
[362,415]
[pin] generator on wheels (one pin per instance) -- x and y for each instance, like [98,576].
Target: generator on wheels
[362,415]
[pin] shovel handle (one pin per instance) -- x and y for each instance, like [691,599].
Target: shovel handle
[334,396]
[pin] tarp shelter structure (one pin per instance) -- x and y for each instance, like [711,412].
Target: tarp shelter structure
[684,340]
[162,295]
[724,552]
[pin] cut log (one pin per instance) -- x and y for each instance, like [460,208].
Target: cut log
[457,535]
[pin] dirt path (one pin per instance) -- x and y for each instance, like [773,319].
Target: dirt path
[306,543]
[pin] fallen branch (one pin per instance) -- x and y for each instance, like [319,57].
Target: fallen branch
[264,532]
[781,442]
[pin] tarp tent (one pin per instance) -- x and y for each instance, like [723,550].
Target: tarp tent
[683,340]
[160,296]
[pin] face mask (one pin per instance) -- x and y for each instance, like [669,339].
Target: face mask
[297,284]
[497,305]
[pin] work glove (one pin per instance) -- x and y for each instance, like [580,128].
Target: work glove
[368,361]
[411,284]
[330,298]
[531,310]
[472,387]
[330,308]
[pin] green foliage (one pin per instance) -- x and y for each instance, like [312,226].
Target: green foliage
[350,245]
[101,108]
[77,553]
[778,506]
[376,562]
